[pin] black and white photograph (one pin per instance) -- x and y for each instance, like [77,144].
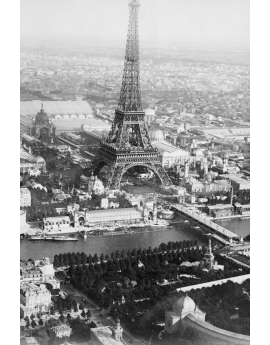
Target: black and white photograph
[134,172]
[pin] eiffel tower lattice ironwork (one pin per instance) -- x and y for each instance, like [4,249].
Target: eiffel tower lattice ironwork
[128,143]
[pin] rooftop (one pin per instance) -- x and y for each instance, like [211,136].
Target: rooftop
[219,333]
[164,146]
[114,212]
[31,108]
[104,335]
[48,219]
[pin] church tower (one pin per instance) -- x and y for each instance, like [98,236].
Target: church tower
[117,331]
[209,257]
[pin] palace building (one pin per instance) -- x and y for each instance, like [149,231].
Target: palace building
[42,128]
[186,317]
[34,299]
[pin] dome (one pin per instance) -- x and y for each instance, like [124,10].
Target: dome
[41,117]
[184,305]
[40,159]
[156,135]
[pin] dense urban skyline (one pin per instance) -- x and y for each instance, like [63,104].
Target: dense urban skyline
[195,22]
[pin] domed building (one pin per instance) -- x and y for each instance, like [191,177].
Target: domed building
[186,318]
[169,154]
[183,307]
[95,185]
[42,129]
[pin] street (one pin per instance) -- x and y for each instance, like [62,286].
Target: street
[101,318]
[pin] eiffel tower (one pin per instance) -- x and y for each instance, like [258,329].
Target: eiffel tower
[128,143]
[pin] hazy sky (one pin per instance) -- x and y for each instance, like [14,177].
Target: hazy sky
[161,21]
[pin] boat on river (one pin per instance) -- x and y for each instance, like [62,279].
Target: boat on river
[52,238]
[64,238]
[36,238]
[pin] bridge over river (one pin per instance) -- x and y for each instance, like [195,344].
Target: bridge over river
[218,232]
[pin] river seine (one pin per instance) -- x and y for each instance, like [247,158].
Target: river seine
[141,238]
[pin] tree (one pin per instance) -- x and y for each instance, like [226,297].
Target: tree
[92,324]
[33,323]
[62,318]
[83,314]
[88,314]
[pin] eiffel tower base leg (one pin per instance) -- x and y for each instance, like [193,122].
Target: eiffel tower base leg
[117,172]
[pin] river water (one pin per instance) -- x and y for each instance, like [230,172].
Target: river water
[142,238]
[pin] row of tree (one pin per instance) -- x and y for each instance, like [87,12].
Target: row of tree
[67,259]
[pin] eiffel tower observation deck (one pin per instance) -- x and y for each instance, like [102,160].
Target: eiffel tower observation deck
[128,143]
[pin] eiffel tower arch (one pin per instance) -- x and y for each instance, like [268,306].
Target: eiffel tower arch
[128,143]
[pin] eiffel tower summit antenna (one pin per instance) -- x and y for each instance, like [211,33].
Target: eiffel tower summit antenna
[128,143]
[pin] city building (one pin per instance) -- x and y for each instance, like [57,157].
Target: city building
[41,272]
[111,215]
[25,197]
[239,183]
[150,115]
[56,223]
[169,154]
[192,185]
[29,163]
[24,227]
[186,317]
[42,128]
[107,335]
[95,185]
[220,210]
[34,299]
[61,331]
[65,116]
[58,110]
[104,203]
[183,307]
